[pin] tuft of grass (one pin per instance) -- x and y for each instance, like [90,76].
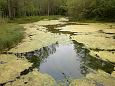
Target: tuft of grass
[10,35]
[31,19]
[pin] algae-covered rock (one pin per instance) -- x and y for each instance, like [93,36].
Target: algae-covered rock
[11,66]
[34,79]
[99,78]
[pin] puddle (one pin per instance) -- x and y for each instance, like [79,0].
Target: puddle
[65,62]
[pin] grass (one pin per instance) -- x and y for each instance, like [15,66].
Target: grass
[10,35]
[31,19]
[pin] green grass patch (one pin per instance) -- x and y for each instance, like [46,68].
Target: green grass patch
[10,35]
[31,19]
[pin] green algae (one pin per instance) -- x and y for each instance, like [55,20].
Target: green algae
[84,82]
[37,37]
[94,42]
[11,66]
[98,78]
[105,55]
[90,27]
[33,79]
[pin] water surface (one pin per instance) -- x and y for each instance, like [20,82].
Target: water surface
[64,62]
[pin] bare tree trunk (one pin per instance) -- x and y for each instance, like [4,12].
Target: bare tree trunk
[48,7]
[9,9]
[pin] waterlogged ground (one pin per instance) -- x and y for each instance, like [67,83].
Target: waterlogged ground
[61,53]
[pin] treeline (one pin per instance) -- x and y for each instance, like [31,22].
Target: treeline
[92,9]
[79,9]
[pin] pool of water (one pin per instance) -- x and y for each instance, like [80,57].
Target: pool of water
[65,62]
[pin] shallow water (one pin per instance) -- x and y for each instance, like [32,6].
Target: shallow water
[65,62]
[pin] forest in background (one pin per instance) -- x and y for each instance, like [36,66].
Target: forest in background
[77,9]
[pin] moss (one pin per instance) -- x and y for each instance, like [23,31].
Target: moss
[34,79]
[11,66]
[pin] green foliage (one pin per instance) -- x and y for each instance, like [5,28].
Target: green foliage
[77,9]
[91,9]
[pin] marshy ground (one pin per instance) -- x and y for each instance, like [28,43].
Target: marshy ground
[61,53]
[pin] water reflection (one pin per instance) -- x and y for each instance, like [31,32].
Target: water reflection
[92,63]
[66,61]
[39,56]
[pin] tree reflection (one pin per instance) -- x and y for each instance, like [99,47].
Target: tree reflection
[89,63]
[39,56]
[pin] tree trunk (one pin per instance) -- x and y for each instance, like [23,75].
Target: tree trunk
[48,7]
[9,9]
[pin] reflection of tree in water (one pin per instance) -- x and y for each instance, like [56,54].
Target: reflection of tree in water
[38,56]
[89,63]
